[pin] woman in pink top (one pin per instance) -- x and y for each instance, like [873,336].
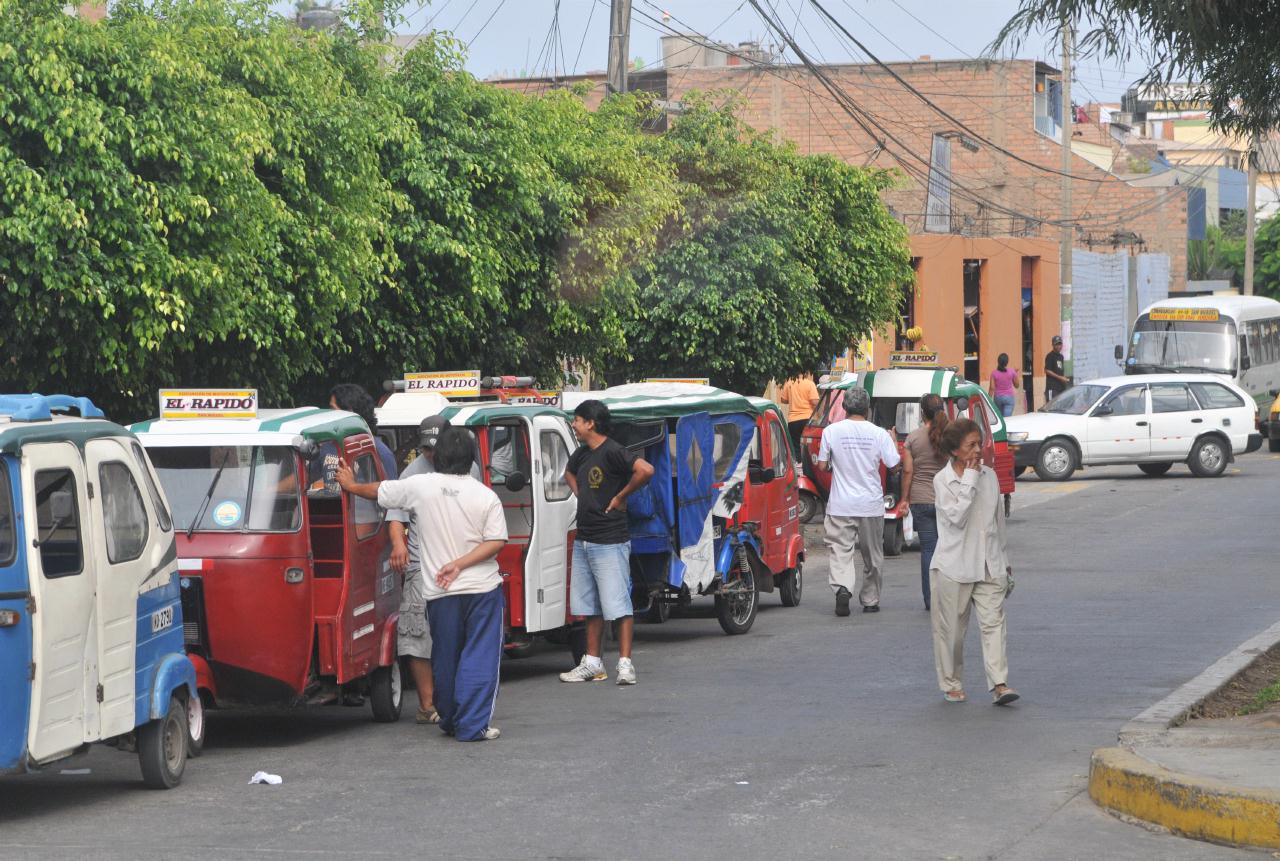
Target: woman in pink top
[1004,381]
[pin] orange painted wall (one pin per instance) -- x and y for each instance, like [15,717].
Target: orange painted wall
[939,300]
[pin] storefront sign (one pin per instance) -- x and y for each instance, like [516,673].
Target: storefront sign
[905,359]
[1185,315]
[548,398]
[451,384]
[208,403]
[697,381]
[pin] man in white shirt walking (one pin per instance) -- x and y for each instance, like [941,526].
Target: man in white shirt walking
[460,528]
[853,450]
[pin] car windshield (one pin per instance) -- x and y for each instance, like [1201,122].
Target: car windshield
[256,487]
[1075,401]
[1183,345]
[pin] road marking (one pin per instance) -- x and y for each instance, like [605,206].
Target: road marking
[1028,497]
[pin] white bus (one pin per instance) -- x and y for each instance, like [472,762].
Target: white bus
[1235,336]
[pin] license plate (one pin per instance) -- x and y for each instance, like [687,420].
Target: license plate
[161,619]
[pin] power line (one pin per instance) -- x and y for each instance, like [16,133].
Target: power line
[590,15]
[494,14]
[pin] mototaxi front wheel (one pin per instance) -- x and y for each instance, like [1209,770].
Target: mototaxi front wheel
[386,693]
[162,747]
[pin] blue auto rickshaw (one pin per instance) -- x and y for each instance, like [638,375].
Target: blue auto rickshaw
[90,612]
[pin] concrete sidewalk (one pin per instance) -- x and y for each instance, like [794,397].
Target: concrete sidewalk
[1216,780]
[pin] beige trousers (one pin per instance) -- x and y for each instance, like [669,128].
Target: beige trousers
[951,602]
[850,537]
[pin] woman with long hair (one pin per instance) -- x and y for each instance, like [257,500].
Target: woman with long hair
[1004,385]
[921,459]
[970,568]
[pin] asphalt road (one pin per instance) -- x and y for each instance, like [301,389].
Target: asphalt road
[810,737]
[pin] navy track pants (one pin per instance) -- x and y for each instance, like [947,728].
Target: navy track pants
[466,651]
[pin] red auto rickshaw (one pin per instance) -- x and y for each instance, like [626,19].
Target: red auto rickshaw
[287,593]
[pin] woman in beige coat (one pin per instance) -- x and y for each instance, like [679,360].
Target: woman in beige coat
[970,568]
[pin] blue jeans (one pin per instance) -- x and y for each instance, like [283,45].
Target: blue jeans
[600,580]
[1005,403]
[465,657]
[924,516]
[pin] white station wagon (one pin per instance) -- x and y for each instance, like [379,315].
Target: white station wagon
[1153,420]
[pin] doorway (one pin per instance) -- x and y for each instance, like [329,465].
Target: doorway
[972,318]
[1029,272]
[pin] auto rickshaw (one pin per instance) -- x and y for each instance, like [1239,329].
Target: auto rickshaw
[895,406]
[720,516]
[815,488]
[287,591]
[90,617]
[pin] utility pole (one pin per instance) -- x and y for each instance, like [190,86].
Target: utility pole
[619,44]
[1250,217]
[1064,251]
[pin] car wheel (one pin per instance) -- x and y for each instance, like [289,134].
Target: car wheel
[809,505]
[893,538]
[1209,457]
[1155,468]
[1056,461]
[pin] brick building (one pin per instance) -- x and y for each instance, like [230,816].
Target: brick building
[983,242]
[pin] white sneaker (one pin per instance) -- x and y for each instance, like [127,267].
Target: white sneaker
[585,672]
[626,672]
[491,733]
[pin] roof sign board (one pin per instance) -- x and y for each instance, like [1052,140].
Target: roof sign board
[1185,315]
[695,381]
[904,359]
[451,384]
[208,404]
[545,398]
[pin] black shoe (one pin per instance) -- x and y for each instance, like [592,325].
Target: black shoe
[843,597]
[871,608]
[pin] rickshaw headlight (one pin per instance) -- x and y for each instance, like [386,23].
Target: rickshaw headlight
[8,618]
[889,502]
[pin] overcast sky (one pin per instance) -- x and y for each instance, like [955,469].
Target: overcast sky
[508,36]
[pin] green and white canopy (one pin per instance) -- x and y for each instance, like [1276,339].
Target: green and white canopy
[649,401]
[270,427]
[482,415]
[912,382]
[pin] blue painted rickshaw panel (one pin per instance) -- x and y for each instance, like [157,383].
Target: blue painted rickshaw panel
[695,493]
[155,646]
[15,641]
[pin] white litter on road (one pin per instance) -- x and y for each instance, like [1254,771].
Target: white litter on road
[76,771]
[264,777]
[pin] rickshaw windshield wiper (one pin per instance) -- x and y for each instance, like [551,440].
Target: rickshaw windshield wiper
[204,503]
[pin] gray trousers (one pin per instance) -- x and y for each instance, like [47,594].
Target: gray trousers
[949,614]
[850,537]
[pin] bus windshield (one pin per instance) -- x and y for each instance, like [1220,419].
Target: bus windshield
[1182,345]
[255,488]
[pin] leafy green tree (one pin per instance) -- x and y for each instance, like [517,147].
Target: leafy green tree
[777,261]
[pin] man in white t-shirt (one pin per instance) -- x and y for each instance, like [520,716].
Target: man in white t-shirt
[853,450]
[460,528]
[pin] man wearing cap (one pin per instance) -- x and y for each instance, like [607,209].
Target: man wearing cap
[1055,378]
[413,634]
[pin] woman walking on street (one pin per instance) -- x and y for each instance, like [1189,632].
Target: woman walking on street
[921,459]
[970,568]
[1004,383]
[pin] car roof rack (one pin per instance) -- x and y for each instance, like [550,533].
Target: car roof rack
[40,408]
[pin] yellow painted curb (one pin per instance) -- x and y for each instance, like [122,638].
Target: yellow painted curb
[1207,809]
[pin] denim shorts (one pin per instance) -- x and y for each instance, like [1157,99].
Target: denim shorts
[600,582]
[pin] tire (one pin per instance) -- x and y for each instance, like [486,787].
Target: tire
[791,585]
[809,506]
[162,747]
[737,611]
[1056,460]
[1209,457]
[195,726]
[1008,504]
[1273,444]
[659,610]
[385,693]
[519,648]
[893,538]
[1018,471]
[1155,469]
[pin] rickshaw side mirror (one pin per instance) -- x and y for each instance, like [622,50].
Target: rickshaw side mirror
[761,474]
[62,505]
[962,404]
[1119,353]
[306,447]
[516,482]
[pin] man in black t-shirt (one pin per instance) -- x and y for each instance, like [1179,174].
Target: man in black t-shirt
[602,473]
[1055,378]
